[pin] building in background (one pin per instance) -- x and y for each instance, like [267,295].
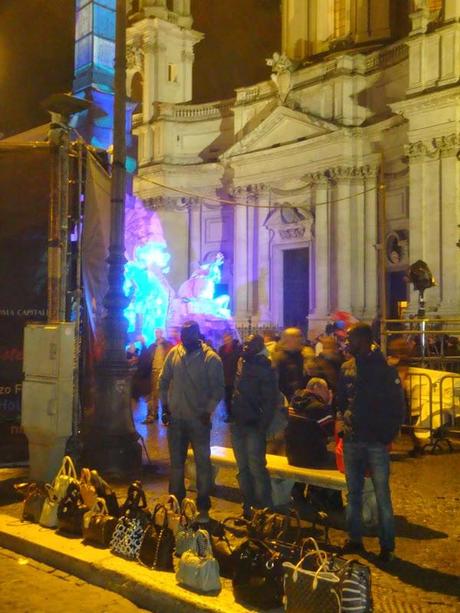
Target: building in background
[351,90]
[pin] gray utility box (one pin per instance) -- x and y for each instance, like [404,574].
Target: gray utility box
[47,394]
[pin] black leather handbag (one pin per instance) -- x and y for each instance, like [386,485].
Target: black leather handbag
[71,510]
[258,576]
[103,490]
[135,505]
[157,546]
[98,525]
[225,538]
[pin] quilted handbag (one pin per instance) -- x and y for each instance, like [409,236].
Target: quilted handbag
[198,569]
[185,535]
[157,546]
[48,516]
[66,475]
[319,582]
[35,496]
[87,489]
[104,491]
[127,537]
[129,531]
[258,577]
[71,510]
[98,525]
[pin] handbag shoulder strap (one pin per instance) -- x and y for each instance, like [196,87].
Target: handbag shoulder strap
[85,476]
[203,543]
[160,508]
[172,504]
[100,507]
[67,468]
[188,510]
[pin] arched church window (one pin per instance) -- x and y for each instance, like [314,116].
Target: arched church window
[137,90]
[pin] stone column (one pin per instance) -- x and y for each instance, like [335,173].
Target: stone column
[194,236]
[322,246]
[264,263]
[449,278]
[343,241]
[240,258]
[370,242]
[451,9]
[358,252]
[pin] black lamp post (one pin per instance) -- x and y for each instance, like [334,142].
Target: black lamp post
[112,441]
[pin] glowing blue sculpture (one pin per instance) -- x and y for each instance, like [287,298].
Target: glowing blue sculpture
[196,300]
[148,262]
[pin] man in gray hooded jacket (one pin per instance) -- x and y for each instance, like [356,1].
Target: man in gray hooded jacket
[191,386]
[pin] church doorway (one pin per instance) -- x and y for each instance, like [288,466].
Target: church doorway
[296,299]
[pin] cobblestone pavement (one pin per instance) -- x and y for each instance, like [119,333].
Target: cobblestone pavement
[424,578]
[28,586]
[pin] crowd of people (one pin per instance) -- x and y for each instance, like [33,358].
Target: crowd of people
[278,389]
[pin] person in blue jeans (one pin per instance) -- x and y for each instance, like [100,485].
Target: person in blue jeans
[254,402]
[370,413]
[191,385]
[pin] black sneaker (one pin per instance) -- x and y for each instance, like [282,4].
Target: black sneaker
[386,555]
[352,547]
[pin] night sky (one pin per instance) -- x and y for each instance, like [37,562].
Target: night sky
[36,52]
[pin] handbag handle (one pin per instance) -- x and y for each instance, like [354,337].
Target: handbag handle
[50,492]
[99,507]
[203,543]
[187,504]
[172,504]
[136,496]
[286,525]
[85,476]
[99,482]
[67,468]
[160,507]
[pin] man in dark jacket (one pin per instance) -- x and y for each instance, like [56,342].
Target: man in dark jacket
[371,411]
[254,403]
[289,360]
[229,353]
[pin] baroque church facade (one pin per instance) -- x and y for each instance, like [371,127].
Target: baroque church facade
[349,148]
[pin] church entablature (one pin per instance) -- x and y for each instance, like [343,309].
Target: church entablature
[433,148]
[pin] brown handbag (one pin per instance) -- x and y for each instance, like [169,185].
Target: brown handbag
[87,489]
[98,525]
[157,547]
[35,496]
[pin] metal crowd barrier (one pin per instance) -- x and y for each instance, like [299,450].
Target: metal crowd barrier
[427,401]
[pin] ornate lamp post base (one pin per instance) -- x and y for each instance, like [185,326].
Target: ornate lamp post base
[111,442]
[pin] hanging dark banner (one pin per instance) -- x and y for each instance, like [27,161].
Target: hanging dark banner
[24,203]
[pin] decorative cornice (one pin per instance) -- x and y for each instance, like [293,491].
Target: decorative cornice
[433,148]
[342,173]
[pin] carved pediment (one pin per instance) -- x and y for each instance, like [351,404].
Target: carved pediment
[282,127]
[290,223]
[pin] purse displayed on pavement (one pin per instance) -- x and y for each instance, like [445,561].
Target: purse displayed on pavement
[129,531]
[320,582]
[98,524]
[35,496]
[66,475]
[258,577]
[48,516]
[185,535]
[87,489]
[71,510]
[157,547]
[223,548]
[104,491]
[198,569]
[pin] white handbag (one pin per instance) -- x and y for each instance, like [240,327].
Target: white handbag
[48,516]
[185,536]
[66,475]
[199,570]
